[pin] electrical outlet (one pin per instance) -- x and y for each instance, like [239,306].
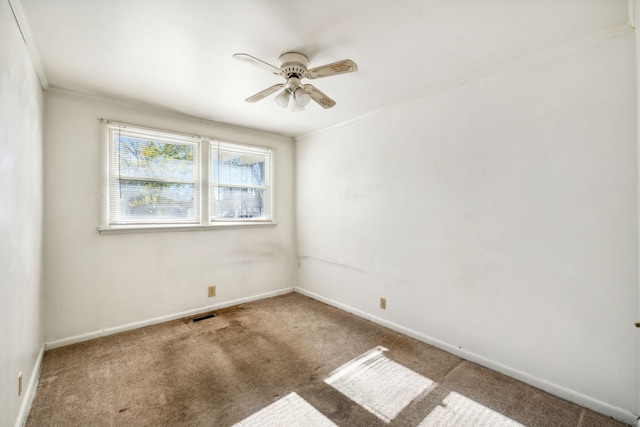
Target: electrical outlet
[383,303]
[19,383]
[212,291]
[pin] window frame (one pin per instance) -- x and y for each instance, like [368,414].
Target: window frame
[248,150]
[203,182]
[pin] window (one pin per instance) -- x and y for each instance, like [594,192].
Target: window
[156,180]
[153,177]
[239,182]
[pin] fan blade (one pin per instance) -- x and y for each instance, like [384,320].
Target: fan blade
[258,63]
[263,94]
[340,67]
[319,97]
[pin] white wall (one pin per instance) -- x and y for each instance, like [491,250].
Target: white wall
[21,331]
[499,219]
[108,282]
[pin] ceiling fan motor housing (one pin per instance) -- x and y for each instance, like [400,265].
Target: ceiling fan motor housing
[294,64]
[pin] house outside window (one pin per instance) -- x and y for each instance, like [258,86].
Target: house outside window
[239,182]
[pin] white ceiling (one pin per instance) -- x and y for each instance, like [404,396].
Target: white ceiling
[177,54]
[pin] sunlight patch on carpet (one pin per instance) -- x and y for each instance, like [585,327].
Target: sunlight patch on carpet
[290,411]
[460,411]
[378,384]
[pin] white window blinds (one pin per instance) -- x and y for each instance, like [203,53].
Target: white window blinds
[154,176]
[240,182]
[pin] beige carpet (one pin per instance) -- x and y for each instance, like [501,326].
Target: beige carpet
[283,361]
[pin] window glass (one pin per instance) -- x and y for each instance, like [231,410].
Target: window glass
[239,182]
[153,177]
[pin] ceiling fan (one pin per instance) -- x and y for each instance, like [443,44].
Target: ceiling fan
[293,67]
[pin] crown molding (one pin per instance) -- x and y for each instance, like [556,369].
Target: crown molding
[25,30]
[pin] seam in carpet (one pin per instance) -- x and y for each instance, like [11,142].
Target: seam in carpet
[460,362]
[580,418]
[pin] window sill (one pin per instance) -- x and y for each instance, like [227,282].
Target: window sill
[126,229]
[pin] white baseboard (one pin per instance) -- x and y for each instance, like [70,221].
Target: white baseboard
[135,325]
[30,392]
[555,389]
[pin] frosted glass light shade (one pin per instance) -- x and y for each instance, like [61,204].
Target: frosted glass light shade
[296,107]
[283,98]
[301,96]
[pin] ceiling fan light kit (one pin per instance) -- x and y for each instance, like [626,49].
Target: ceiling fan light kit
[302,97]
[296,107]
[293,67]
[293,90]
[283,98]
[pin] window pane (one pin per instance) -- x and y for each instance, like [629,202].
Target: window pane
[154,178]
[158,160]
[144,201]
[239,202]
[229,167]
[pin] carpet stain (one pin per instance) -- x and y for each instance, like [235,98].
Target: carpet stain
[219,371]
